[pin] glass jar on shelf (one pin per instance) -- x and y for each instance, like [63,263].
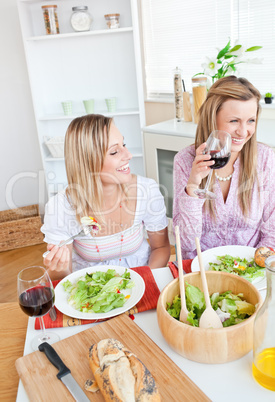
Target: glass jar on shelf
[81,19]
[112,20]
[50,19]
[264,333]
[199,91]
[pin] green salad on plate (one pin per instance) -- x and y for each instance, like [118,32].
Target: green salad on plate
[243,267]
[99,292]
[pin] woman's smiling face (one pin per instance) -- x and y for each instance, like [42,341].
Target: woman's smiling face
[238,118]
[116,163]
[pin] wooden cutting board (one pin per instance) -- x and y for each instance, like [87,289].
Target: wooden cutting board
[39,375]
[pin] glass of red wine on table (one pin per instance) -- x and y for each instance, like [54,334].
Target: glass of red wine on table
[218,145]
[36,298]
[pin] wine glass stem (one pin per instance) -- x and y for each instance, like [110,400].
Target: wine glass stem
[208,180]
[42,326]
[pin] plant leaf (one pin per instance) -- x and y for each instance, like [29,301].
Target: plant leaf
[224,50]
[198,74]
[220,71]
[251,49]
[235,48]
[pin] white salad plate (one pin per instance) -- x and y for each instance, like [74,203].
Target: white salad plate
[136,293]
[235,251]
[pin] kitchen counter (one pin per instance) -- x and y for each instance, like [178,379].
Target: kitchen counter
[265,131]
[173,127]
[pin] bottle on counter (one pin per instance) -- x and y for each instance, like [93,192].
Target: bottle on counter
[178,94]
[50,19]
[264,333]
[81,19]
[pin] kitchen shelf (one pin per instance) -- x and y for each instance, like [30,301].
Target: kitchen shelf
[51,159]
[126,112]
[80,34]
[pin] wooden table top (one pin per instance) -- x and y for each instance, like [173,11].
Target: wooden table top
[13,327]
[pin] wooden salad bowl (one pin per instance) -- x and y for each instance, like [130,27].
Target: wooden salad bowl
[209,345]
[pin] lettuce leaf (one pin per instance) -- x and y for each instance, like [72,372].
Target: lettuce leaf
[98,292]
[247,269]
[231,308]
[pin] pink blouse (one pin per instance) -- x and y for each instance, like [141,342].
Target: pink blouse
[230,227]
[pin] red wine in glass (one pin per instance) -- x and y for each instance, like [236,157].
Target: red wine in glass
[37,301]
[218,145]
[220,161]
[36,298]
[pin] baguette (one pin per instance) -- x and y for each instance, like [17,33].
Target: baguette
[120,375]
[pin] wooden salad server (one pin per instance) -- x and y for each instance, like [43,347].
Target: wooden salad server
[183,312]
[209,318]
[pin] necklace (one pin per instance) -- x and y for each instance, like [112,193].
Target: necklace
[224,178]
[121,239]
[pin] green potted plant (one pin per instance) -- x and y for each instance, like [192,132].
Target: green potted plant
[268,97]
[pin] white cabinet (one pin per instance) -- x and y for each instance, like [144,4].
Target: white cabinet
[97,64]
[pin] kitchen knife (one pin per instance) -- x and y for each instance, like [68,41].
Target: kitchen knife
[176,265]
[64,372]
[53,314]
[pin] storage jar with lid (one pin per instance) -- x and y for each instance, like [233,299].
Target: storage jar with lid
[81,19]
[178,94]
[112,20]
[199,94]
[51,19]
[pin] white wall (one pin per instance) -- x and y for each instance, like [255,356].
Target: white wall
[20,160]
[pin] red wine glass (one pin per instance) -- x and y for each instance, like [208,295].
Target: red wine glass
[36,298]
[218,145]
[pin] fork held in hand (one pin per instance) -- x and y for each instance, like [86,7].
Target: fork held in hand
[85,231]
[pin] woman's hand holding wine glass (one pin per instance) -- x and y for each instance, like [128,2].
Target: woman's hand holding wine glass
[217,149]
[36,298]
[200,169]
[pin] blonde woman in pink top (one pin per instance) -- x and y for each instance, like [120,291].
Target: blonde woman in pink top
[101,186]
[243,212]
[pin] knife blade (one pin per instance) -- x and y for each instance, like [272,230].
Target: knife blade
[53,314]
[177,266]
[64,373]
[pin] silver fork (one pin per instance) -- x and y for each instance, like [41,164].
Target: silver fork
[85,231]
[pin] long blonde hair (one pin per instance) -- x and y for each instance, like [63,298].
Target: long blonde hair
[222,90]
[86,144]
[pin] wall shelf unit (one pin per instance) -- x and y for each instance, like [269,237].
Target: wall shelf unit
[96,64]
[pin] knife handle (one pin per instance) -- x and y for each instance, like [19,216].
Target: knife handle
[54,359]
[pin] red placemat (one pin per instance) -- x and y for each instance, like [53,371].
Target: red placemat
[186,265]
[147,302]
